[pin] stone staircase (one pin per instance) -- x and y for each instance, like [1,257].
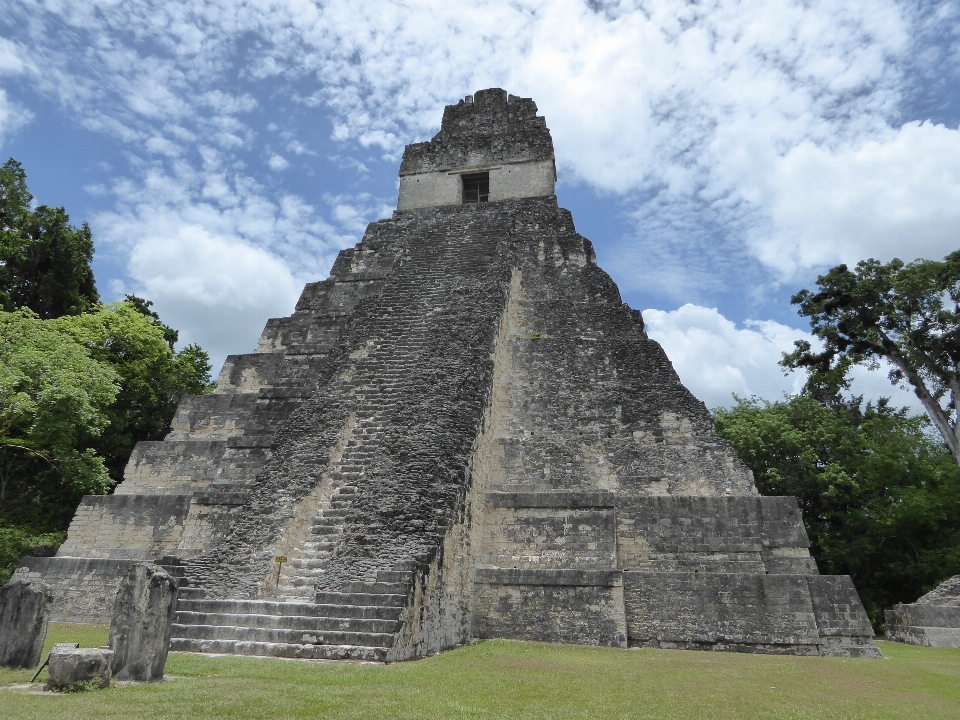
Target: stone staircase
[362,622]
[298,581]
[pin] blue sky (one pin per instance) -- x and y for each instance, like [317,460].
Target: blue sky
[719,154]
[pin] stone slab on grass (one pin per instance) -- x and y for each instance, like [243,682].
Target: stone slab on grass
[79,669]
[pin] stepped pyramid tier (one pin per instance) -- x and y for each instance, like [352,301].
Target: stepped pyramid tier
[933,620]
[462,433]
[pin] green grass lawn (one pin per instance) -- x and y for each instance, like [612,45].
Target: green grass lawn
[503,679]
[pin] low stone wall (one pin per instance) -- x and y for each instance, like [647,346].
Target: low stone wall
[567,606]
[84,589]
[926,625]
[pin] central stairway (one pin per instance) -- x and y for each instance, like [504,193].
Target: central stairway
[361,623]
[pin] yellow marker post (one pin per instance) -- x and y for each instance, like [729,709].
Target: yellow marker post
[279,559]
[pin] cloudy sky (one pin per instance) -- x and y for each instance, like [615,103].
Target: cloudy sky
[719,154]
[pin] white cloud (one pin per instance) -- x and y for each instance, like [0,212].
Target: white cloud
[278,163]
[714,358]
[217,290]
[896,196]
[12,116]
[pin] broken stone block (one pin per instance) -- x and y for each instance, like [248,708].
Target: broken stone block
[79,668]
[24,617]
[140,629]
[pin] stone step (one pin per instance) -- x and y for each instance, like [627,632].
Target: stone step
[289,622]
[285,650]
[299,580]
[306,563]
[307,572]
[377,588]
[348,598]
[395,576]
[282,635]
[294,609]
[325,529]
[321,521]
[296,594]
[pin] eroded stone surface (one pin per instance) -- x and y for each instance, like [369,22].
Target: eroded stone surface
[142,616]
[79,668]
[464,432]
[24,617]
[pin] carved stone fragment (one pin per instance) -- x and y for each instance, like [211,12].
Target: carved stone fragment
[140,629]
[24,616]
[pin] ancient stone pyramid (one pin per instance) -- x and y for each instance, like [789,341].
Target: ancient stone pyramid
[462,433]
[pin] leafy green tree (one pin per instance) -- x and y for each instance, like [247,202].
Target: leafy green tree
[907,314]
[54,401]
[153,377]
[80,383]
[880,496]
[44,260]
[78,392]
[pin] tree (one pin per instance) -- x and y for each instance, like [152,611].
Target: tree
[153,376]
[906,314]
[54,400]
[44,261]
[880,497]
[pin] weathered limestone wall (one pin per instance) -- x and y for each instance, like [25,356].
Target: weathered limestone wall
[534,178]
[128,527]
[84,588]
[491,131]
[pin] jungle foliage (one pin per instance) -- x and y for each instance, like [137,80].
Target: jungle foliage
[879,491]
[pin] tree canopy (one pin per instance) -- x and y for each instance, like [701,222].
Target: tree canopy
[44,260]
[907,314]
[76,394]
[54,399]
[880,496]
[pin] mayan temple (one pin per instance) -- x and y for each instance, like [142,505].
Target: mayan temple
[462,433]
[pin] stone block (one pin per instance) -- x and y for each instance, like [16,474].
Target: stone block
[24,617]
[142,616]
[79,668]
